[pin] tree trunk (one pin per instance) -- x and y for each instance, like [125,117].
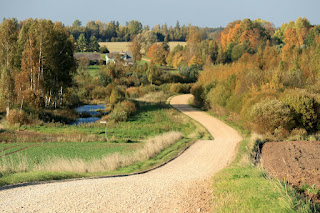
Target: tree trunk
[55,100]
[50,98]
[61,96]
[21,104]
[8,111]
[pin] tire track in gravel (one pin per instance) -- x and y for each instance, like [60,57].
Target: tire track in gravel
[182,185]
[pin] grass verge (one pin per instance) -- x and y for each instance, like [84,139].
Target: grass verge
[244,187]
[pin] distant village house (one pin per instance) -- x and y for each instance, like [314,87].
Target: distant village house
[116,57]
[125,58]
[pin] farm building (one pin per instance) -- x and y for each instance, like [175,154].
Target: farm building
[90,56]
[124,57]
[94,58]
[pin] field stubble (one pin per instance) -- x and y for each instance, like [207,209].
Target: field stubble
[124,46]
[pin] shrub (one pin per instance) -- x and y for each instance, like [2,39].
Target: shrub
[281,133]
[129,107]
[197,91]
[104,49]
[118,114]
[70,98]
[122,111]
[250,101]
[165,87]
[147,89]
[133,92]
[305,108]
[83,63]
[300,131]
[219,95]
[17,117]
[99,92]
[235,103]
[58,115]
[109,88]
[294,78]
[180,88]
[116,96]
[190,74]
[269,115]
[83,93]
[298,134]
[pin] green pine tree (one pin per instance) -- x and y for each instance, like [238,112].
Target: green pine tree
[93,44]
[82,45]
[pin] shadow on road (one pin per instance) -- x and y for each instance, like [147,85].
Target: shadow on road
[184,107]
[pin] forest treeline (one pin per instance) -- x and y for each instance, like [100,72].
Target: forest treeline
[268,76]
[36,63]
[114,32]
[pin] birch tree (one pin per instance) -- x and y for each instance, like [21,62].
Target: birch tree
[8,39]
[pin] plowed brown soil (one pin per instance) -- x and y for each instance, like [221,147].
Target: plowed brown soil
[297,162]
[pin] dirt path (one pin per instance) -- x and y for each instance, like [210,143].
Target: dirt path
[180,186]
[146,59]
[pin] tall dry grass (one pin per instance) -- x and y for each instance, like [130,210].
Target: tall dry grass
[108,163]
[114,161]
[9,165]
[154,97]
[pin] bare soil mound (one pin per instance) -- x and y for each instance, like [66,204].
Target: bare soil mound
[297,162]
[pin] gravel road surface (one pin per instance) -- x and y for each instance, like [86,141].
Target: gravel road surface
[183,185]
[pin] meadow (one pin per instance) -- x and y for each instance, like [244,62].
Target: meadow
[78,151]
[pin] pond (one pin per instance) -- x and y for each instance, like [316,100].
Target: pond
[92,110]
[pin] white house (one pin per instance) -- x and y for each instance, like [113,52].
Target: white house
[109,59]
[125,56]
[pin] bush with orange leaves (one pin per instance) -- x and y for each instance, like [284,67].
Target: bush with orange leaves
[158,54]
[16,116]
[133,92]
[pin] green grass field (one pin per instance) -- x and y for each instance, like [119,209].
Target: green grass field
[150,120]
[125,138]
[93,70]
[83,150]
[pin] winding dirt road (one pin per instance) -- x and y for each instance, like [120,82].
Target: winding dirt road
[183,185]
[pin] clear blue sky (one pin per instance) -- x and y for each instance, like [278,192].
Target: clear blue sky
[204,13]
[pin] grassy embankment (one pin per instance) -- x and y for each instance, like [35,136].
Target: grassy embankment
[244,187]
[128,151]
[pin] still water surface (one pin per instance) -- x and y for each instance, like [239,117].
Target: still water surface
[92,110]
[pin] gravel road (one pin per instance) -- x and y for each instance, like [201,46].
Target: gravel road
[183,185]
